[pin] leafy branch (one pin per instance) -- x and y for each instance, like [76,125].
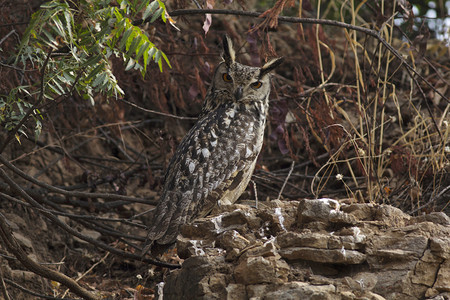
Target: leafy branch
[82,38]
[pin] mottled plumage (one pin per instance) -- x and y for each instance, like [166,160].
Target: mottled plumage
[215,160]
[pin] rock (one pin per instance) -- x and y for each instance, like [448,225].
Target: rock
[434,217]
[236,292]
[391,216]
[442,283]
[205,228]
[431,293]
[14,221]
[89,233]
[239,217]
[267,249]
[316,210]
[302,290]
[295,239]
[322,210]
[201,277]
[191,247]
[442,296]
[426,269]
[232,239]
[334,256]
[440,247]
[232,254]
[21,275]
[253,270]
[394,248]
[356,251]
[372,296]
[361,211]
[256,291]
[323,241]
[23,241]
[363,281]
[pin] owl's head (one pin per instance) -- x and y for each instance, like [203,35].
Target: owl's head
[237,82]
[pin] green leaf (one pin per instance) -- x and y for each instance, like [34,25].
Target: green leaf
[160,64]
[166,59]
[163,6]
[157,56]
[134,44]
[141,5]
[68,77]
[130,64]
[157,14]
[152,51]
[50,39]
[144,47]
[59,28]
[94,72]
[60,90]
[69,22]
[99,79]
[125,37]
[92,61]
[49,5]
[150,10]
[63,80]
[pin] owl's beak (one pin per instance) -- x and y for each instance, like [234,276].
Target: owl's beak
[238,93]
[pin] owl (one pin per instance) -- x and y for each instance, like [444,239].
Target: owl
[215,160]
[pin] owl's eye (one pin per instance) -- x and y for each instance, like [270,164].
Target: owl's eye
[256,85]
[226,77]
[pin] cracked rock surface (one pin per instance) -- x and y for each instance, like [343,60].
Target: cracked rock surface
[313,249]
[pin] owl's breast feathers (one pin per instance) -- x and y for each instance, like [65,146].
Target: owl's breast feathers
[213,164]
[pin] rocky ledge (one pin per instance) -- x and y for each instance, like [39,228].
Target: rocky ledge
[313,249]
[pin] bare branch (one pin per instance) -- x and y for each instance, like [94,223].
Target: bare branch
[156,112]
[71,193]
[13,246]
[74,232]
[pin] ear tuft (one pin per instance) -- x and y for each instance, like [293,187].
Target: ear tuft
[269,66]
[228,54]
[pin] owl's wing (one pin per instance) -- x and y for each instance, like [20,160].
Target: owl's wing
[209,162]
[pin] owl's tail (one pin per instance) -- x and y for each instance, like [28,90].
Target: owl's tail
[170,214]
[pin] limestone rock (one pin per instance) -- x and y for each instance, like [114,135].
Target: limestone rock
[296,239]
[434,217]
[302,290]
[256,270]
[313,249]
[322,210]
[441,247]
[332,256]
[236,292]
[442,283]
[391,216]
[201,277]
[232,239]
[256,291]
[267,249]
